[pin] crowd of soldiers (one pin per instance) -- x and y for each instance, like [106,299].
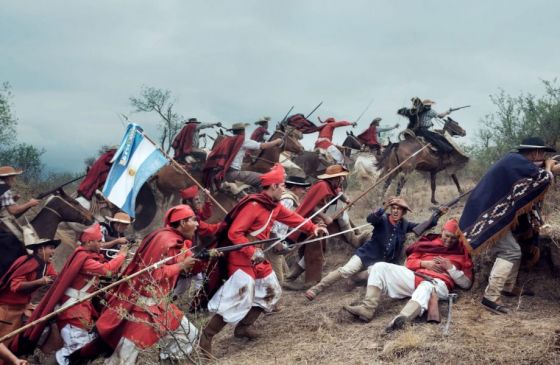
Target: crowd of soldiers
[140,313]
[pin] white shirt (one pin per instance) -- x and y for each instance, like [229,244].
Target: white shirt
[248,144]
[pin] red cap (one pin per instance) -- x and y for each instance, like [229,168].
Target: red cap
[177,213]
[452,226]
[92,233]
[276,175]
[189,193]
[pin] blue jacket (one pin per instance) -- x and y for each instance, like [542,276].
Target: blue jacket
[387,240]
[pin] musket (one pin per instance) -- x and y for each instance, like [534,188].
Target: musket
[451,110]
[364,111]
[313,111]
[287,114]
[52,191]
[419,229]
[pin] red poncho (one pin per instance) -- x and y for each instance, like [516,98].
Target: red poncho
[259,133]
[182,144]
[369,136]
[316,195]
[152,320]
[96,175]
[25,268]
[220,159]
[431,246]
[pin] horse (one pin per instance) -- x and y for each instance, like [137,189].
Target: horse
[427,160]
[57,208]
[162,192]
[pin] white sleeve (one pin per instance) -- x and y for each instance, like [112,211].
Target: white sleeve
[251,145]
[459,278]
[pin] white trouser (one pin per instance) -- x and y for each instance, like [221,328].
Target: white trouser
[336,154]
[176,346]
[398,282]
[240,292]
[74,338]
[352,267]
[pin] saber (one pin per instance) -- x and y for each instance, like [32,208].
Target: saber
[302,223]
[287,114]
[451,297]
[365,110]
[313,111]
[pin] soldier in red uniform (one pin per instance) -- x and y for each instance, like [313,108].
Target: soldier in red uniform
[252,286]
[324,141]
[261,131]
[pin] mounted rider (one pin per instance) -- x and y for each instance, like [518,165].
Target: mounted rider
[9,210]
[324,145]
[186,143]
[226,159]
[370,137]
[262,130]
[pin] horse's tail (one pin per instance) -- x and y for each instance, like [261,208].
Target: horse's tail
[380,164]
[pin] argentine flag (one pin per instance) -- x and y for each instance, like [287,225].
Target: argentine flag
[134,162]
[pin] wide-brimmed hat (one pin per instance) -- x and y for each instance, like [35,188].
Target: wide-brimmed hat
[333,171]
[6,171]
[120,217]
[534,143]
[193,120]
[297,180]
[238,126]
[263,120]
[395,200]
[428,102]
[32,240]
[376,120]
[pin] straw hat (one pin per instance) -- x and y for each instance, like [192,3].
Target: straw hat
[120,217]
[6,171]
[397,201]
[263,120]
[333,171]
[428,102]
[32,240]
[238,126]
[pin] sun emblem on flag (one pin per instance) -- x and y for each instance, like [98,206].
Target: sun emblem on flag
[131,171]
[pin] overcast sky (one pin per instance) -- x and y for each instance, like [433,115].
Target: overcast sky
[73,64]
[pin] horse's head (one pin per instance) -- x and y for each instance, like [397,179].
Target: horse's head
[352,141]
[291,138]
[68,209]
[453,128]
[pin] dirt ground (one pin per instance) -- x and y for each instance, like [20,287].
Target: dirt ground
[321,332]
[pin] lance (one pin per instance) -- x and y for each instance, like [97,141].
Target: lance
[451,110]
[364,111]
[328,236]
[313,111]
[52,191]
[182,169]
[89,297]
[305,221]
[384,177]
[287,114]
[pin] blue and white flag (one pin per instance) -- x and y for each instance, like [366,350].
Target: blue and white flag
[134,162]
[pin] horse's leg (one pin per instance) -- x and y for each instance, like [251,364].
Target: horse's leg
[400,184]
[456,181]
[433,186]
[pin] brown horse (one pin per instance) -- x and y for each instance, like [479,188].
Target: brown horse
[427,161]
[170,180]
[59,208]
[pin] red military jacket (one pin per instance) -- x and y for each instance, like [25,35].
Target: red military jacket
[22,270]
[84,314]
[324,140]
[254,220]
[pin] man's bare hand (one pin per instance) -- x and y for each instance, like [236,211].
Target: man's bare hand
[33,202]
[431,265]
[320,230]
[443,263]
[124,250]
[550,164]
[188,262]
[258,256]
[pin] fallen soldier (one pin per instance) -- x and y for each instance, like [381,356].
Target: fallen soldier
[434,263]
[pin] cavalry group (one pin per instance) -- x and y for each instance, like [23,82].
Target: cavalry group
[235,268]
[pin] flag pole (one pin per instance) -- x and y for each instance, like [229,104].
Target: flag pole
[182,169]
